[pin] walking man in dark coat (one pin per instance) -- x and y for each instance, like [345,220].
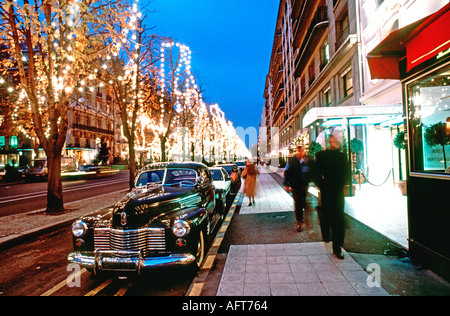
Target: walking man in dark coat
[331,174]
[296,179]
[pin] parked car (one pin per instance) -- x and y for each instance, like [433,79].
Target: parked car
[235,175]
[2,173]
[241,164]
[165,220]
[222,184]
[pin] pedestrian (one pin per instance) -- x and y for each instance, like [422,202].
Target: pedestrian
[250,173]
[296,180]
[331,174]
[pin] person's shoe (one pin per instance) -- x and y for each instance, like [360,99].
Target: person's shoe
[299,226]
[339,255]
[249,204]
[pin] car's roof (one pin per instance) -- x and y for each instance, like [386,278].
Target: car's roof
[186,164]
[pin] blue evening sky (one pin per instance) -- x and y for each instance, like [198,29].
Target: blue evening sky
[231,42]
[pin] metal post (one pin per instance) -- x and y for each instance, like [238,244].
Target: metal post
[349,158]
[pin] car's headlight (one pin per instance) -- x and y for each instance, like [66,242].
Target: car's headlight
[181,228]
[79,228]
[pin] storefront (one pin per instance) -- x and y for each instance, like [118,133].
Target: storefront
[377,164]
[419,56]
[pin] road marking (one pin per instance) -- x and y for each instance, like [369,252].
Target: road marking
[208,262]
[63,283]
[99,288]
[196,289]
[123,290]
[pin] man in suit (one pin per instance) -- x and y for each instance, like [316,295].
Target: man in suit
[331,173]
[296,179]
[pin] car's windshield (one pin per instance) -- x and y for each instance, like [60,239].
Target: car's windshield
[216,174]
[38,163]
[167,177]
[177,176]
[152,176]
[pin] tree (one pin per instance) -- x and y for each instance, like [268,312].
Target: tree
[172,86]
[438,135]
[132,76]
[54,44]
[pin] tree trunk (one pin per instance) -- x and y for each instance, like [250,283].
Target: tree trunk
[445,157]
[163,149]
[132,164]
[54,188]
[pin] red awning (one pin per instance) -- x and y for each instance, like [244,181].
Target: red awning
[418,42]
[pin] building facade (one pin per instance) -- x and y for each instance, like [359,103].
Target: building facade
[94,121]
[319,82]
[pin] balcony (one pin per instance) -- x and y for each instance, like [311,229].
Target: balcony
[317,28]
[92,129]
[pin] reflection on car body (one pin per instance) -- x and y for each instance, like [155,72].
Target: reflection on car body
[222,184]
[165,220]
[234,173]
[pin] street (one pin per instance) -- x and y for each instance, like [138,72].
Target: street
[39,267]
[27,197]
[278,261]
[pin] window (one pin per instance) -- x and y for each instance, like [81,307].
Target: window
[302,85]
[429,105]
[311,73]
[13,142]
[326,97]
[347,83]
[342,30]
[324,55]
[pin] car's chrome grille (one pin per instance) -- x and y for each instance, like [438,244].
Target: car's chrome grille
[101,238]
[149,239]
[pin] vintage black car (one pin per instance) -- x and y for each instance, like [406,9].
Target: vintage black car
[165,220]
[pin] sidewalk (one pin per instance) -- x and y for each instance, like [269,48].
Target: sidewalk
[288,269]
[272,259]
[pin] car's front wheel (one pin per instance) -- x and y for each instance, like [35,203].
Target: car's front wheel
[200,253]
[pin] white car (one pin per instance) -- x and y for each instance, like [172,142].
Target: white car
[222,183]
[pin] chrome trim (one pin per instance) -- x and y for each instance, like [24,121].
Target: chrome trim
[149,239]
[127,260]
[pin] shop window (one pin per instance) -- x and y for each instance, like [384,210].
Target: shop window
[429,110]
[13,142]
[2,142]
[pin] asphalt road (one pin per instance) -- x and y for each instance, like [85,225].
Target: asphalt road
[27,197]
[40,268]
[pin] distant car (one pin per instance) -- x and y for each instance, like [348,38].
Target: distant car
[166,220]
[2,173]
[241,164]
[235,175]
[222,184]
[39,168]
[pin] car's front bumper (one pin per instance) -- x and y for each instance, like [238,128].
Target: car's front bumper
[123,261]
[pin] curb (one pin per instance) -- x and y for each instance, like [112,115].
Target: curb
[196,287]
